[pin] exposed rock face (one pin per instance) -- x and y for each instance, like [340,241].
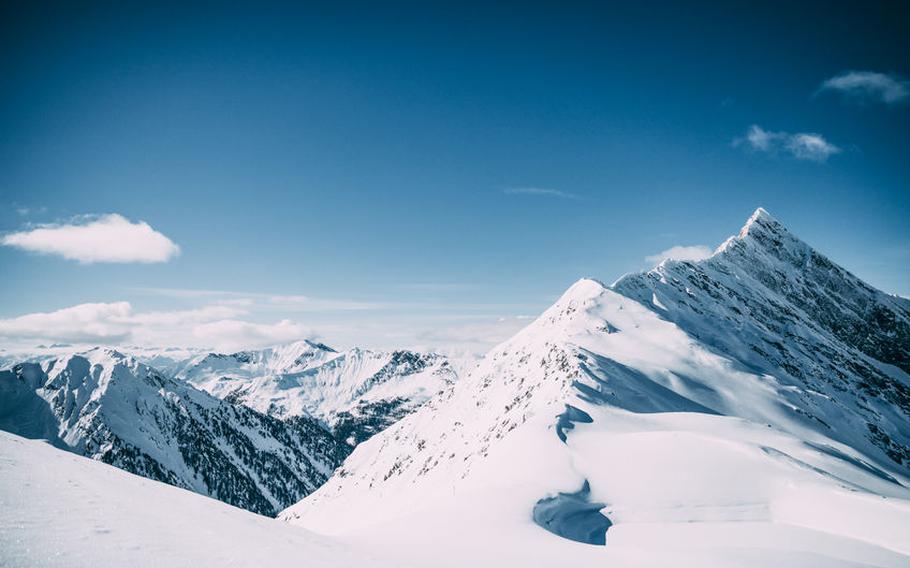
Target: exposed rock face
[777,305]
[356,393]
[108,406]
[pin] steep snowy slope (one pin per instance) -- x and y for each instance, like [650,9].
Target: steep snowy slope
[63,510]
[357,392]
[604,423]
[112,408]
[776,305]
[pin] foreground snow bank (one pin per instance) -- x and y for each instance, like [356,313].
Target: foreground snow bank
[60,509]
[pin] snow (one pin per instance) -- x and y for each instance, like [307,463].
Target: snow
[698,457]
[109,406]
[749,410]
[63,510]
[311,379]
[838,349]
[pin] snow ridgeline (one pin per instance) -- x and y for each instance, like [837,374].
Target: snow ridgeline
[356,393]
[702,449]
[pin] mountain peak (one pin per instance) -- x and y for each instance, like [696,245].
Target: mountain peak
[760,220]
[583,289]
[763,229]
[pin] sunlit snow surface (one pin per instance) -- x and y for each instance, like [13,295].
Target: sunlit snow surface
[698,461]
[58,509]
[307,378]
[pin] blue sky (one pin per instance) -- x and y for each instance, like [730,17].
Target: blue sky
[431,176]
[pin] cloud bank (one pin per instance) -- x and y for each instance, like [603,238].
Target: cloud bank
[802,145]
[693,253]
[108,238]
[214,326]
[866,86]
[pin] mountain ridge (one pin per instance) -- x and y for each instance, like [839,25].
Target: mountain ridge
[111,407]
[622,419]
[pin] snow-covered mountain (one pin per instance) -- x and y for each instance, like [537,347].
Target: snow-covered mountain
[63,510]
[356,392]
[110,407]
[777,306]
[747,410]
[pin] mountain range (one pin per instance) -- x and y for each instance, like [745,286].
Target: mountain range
[356,393]
[748,409]
[753,401]
[280,422]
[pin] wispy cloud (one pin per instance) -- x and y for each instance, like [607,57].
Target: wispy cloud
[89,239]
[23,211]
[308,304]
[233,335]
[437,286]
[693,252]
[540,191]
[865,86]
[284,302]
[475,337]
[802,145]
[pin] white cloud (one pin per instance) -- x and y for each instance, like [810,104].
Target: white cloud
[106,238]
[539,191]
[694,252]
[177,318]
[84,323]
[115,323]
[869,86]
[475,337]
[810,147]
[802,145]
[233,335]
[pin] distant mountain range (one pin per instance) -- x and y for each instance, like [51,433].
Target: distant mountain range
[356,393]
[280,422]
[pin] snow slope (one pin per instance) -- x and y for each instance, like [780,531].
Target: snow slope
[356,392]
[110,407]
[605,422]
[777,306]
[63,510]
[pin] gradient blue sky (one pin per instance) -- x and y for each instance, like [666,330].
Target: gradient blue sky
[367,157]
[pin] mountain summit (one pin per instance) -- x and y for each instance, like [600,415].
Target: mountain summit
[698,409]
[776,305]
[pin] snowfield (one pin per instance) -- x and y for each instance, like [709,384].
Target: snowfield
[60,509]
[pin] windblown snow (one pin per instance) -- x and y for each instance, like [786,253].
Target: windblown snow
[749,409]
